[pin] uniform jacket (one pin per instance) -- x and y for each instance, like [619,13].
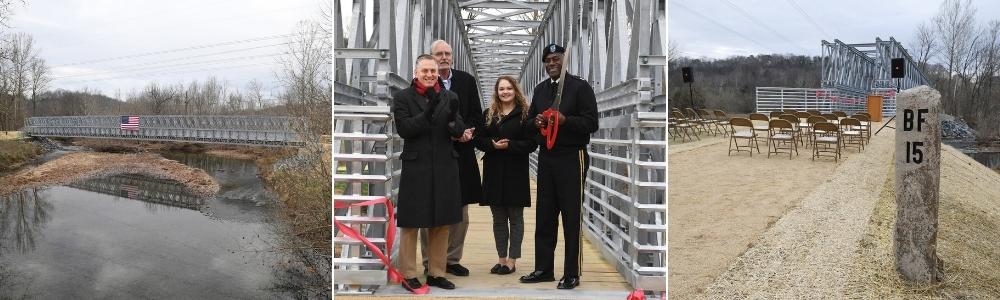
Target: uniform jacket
[505,172]
[428,196]
[578,104]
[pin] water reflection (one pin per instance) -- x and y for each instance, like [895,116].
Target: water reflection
[143,188]
[130,236]
[22,215]
[989,159]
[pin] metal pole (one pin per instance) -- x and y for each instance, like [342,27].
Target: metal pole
[691,93]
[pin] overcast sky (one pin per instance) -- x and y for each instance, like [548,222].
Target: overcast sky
[101,44]
[723,28]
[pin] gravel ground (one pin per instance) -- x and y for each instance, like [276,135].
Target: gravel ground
[809,251]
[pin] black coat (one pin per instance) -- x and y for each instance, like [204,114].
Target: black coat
[467,88]
[428,196]
[505,172]
[578,104]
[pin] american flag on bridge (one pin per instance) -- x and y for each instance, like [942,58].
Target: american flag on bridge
[129,123]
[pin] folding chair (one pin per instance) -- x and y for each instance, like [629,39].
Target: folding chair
[813,112]
[781,136]
[742,128]
[762,122]
[850,130]
[832,118]
[810,124]
[866,125]
[695,120]
[683,126]
[795,124]
[775,114]
[827,135]
[839,114]
[709,121]
[722,120]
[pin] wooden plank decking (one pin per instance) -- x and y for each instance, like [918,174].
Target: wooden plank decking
[600,280]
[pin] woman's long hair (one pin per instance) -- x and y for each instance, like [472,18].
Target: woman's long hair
[493,113]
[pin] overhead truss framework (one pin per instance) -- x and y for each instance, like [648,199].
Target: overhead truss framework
[861,67]
[500,34]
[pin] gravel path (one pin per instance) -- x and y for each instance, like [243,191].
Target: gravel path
[807,253]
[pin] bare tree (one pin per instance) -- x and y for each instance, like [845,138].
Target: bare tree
[673,51]
[926,45]
[255,94]
[306,74]
[40,79]
[955,27]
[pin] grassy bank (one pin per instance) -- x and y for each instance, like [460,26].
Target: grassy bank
[968,238]
[302,182]
[15,153]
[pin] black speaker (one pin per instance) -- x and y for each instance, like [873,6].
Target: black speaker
[686,73]
[898,71]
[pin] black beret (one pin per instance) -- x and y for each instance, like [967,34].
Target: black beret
[552,48]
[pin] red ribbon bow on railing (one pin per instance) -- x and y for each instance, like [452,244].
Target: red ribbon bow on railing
[390,236]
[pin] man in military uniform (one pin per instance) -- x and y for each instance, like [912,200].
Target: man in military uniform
[561,170]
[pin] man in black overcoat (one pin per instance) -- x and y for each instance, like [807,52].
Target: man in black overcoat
[426,117]
[467,89]
[562,170]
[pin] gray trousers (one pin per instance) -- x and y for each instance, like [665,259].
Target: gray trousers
[502,215]
[456,239]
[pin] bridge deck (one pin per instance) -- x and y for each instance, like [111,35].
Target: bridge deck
[600,280]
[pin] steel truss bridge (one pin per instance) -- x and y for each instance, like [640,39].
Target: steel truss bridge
[849,73]
[618,47]
[237,130]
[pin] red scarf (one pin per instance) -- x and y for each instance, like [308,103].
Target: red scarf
[423,90]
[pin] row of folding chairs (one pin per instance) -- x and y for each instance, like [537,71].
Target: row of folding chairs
[785,133]
[690,123]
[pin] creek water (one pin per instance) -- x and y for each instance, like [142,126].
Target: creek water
[130,236]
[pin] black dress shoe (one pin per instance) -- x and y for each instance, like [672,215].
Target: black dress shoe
[504,270]
[440,282]
[457,270]
[538,276]
[411,284]
[568,282]
[495,269]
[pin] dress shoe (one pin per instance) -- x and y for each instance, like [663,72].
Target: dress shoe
[538,276]
[568,282]
[457,270]
[440,282]
[504,270]
[495,269]
[411,284]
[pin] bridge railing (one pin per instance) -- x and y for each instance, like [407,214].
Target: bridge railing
[365,153]
[243,130]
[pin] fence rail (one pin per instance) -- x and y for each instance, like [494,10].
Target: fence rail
[825,100]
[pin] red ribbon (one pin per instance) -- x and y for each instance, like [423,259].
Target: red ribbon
[390,236]
[636,295]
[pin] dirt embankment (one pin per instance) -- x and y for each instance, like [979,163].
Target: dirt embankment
[82,165]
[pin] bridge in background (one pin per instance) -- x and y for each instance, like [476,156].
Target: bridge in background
[235,130]
[848,75]
[618,47]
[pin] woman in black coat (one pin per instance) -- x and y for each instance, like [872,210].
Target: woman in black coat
[507,140]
